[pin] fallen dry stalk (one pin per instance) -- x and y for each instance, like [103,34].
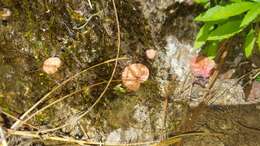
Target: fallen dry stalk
[194,114]
[19,122]
[170,140]
[214,77]
[16,119]
[61,99]
[2,137]
[30,134]
[177,138]
[108,83]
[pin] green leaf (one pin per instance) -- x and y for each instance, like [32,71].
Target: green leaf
[256,1]
[118,89]
[257,78]
[236,1]
[202,36]
[211,49]
[226,30]
[258,40]
[223,12]
[250,15]
[249,43]
[201,1]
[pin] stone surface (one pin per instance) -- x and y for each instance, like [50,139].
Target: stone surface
[254,94]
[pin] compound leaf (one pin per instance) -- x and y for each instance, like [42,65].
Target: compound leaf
[250,15]
[202,35]
[258,40]
[226,30]
[249,43]
[211,49]
[223,12]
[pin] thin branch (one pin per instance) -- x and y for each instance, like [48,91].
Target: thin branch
[83,142]
[109,81]
[87,21]
[16,119]
[2,137]
[18,122]
[72,140]
[90,5]
[60,99]
[207,97]
[177,138]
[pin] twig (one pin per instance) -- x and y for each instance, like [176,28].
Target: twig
[177,138]
[251,78]
[165,112]
[248,127]
[18,122]
[16,119]
[116,62]
[72,140]
[2,137]
[109,81]
[83,142]
[194,114]
[233,85]
[214,77]
[87,21]
[90,5]
[59,100]
[83,130]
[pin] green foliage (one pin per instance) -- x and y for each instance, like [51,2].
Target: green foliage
[211,49]
[249,43]
[257,78]
[258,40]
[250,15]
[226,30]
[205,3]
[119,90]
[236,1]
[225,20]
[223,12]
[203,35]
[201,1]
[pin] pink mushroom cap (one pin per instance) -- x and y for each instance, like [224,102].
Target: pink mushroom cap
[51,65]
[133,75]
[150,53]
[202,66]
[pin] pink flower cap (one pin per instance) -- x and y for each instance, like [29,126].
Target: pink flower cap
[202,66]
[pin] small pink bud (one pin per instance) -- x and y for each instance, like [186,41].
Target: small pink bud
[51,65]
[133,75]
[202,66]
[150,53]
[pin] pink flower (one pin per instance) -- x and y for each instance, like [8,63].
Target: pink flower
[133,75]
[150,53]
[202,66]
[51,65]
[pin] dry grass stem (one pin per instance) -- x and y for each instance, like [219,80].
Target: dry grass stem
[72,140]
[2,137]
[18,122]
[178,138]
[109,81]
[90,4]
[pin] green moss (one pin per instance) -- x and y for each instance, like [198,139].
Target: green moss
[149,91]
[40,29]
[42,118]
[3,104]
